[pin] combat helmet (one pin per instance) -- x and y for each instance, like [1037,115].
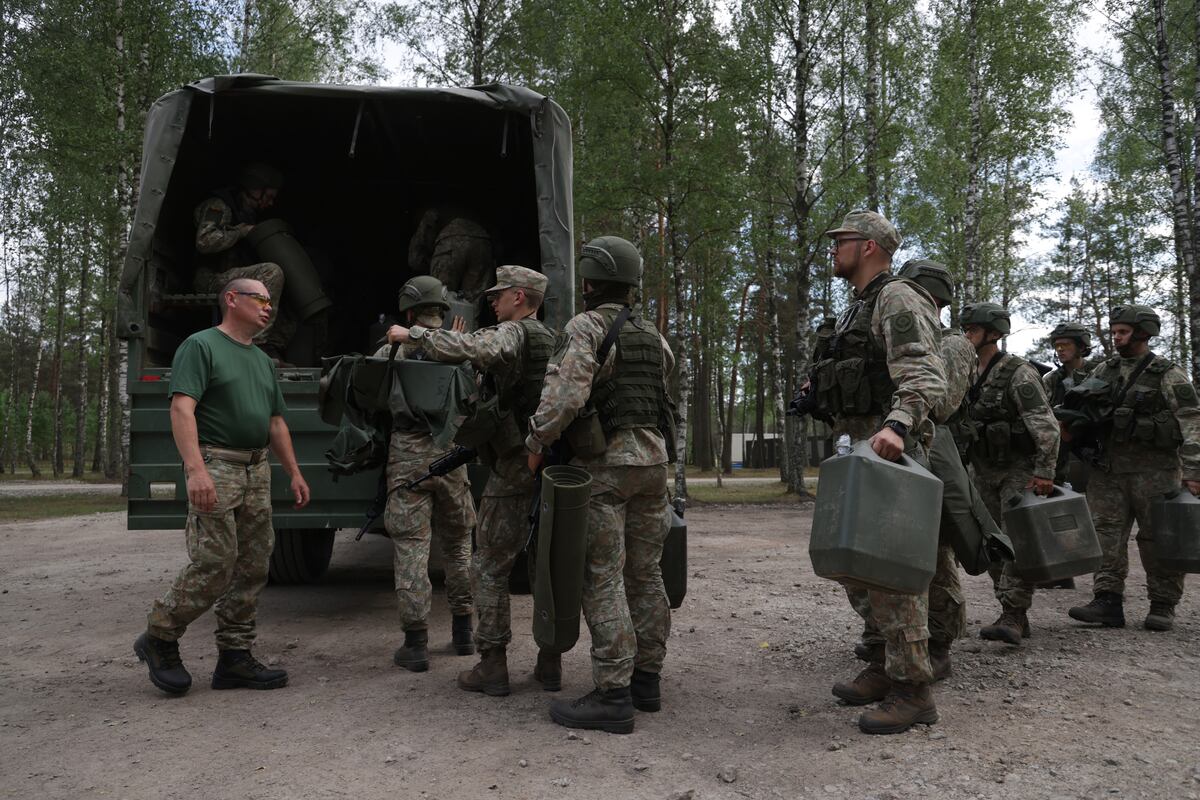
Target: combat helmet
[991,316]
[1073,330]
[1140,318]
[611,259]
[424,290]
[930,276]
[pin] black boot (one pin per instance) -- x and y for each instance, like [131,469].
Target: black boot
[414,655]
[166,668]
[237,669]
[599,710]
[460,635]
[645,690]
[1107,608]
[1161,616]
[548,670]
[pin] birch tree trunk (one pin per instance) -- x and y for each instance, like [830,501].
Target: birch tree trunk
[1181,215]
[871,105]
[34,385]
[81,373]
[727,439]
[56,365]
[971,208]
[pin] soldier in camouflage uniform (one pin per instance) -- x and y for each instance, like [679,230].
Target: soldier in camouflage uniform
[1072,345]
[1155,430]
[453,247]
[947,606]
[512,357]
[410,513]
[1014,447]
[226,409]
[222,223]
[626,609]
[887,339]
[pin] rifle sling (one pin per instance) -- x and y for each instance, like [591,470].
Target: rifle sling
[1133,376]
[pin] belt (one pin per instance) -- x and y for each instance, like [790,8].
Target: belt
[233,455]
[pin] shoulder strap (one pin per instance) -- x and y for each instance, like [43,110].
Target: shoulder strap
[1120,398]
[977,386]
[614,331]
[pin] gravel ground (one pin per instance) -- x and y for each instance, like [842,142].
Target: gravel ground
[1075,713]
[49,488]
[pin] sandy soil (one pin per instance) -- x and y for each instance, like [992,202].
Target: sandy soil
[747,711]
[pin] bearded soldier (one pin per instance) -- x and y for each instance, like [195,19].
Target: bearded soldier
[888,339]
[627,611]
[1014,448]
[1154,430]
[512,356]
[410,513]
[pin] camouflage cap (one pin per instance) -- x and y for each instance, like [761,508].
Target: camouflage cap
[870,225]
[510,276]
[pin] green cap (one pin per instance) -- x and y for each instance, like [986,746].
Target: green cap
[1140,317]
[991,316]
[611,259]
[870,225]
[423,290]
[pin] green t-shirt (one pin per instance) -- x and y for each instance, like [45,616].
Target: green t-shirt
[234,386]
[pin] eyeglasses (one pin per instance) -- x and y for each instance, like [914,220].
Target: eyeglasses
[262,300]
[833,248]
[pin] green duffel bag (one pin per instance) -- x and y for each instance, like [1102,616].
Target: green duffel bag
[966,522]
[561,557]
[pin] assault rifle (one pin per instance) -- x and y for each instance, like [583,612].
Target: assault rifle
[445,465]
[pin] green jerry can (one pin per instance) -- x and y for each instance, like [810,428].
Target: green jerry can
[674,556]
[1053,536]
[876,521]
[1175,518]
[272,240]
[561,557]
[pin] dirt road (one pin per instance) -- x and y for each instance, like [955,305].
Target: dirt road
[1076,713]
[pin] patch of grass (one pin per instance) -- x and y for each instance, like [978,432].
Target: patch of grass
[47,507]
[23,474]
[771,493]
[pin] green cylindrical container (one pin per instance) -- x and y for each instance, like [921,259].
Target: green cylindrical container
[876,521]
[1053,536]
[561,557]
[674,558]
[1175,519]
[302,291]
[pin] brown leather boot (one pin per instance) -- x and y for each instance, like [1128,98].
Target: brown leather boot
[872,684]
[1011,627]
[548,671]
[939,660]
[906,705]
[489,676]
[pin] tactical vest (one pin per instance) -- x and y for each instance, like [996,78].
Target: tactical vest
[852,378]
[522,395]
[1143,415]
[633,396]
[998,435]
[1061,381]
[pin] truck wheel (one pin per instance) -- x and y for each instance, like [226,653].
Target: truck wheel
[301,555]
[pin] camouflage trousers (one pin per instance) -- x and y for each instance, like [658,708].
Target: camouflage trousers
[282,327]
[229,552]
[624,600]
[947,606]
[502,531]
[462,259]
[409,519]
[1116,501]
[997,487]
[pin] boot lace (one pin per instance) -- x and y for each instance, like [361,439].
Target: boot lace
[168,655]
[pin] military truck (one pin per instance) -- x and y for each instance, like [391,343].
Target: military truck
[362,164]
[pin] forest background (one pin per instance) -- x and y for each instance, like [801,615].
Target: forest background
[722,137]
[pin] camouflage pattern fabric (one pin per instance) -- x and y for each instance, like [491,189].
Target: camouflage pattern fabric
[626,517]
[1116,501]
[947,604]
[997,487]
[905,323]
[462,258]
[282,327]
[229,552]
[569,385]
[496,350]
[1026,393]
[624,600]
[960,361]
[1056,382]
[409,516]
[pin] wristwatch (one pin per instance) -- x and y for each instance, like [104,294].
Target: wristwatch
[898,427]
[416,332]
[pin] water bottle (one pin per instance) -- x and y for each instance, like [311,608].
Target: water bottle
[843,445]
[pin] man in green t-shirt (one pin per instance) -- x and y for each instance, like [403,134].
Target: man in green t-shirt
[226,410]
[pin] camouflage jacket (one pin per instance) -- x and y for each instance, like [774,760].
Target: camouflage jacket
[569,385]
[1177,397]
[218,235]
[1024,406]
[960,360]
[905,321]
[413,445]
[1058,380]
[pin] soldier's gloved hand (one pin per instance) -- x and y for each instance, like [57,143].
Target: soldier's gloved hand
[888,444]
[202,494]
[397,333]
[1193,487]
[1041,486]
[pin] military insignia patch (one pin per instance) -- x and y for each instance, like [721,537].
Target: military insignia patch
[904,329]
[1185,395]
[1031,398]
